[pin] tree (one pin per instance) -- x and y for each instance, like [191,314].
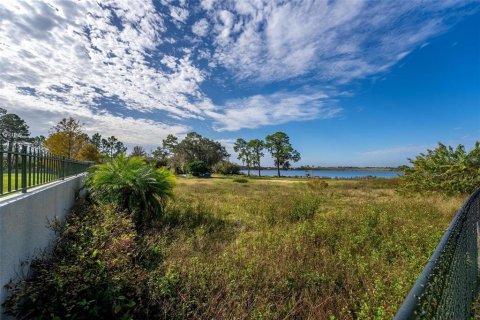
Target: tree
[281,150]
[244,152]
[96,140]
[444,169]
[160,156]
[112,147]
[138,151]
[195,147]
[169,144]
[226,167]
[165,155]
[89,152]
[66,138]
[38,142]
[256,146]
[133,185]
[13,129]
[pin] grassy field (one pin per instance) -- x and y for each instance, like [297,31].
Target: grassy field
[284,248]
[260,249]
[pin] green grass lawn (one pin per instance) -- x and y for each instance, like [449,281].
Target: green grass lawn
[264,249]
[19,179]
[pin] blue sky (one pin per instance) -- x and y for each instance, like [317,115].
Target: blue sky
[365,83]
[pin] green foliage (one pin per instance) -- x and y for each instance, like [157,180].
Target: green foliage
[160,157]
[197,168]
[226,168]
[96,140]
[13,129]
[196,147]
[138,151]
[240,180]
[256,146]
[444,169]
[281,150]
[244,153]
[133,185]
[89,275]
[111,146]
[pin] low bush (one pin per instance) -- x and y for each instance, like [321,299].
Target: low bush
[444,169]
[316,184]
[91,273]
[197,168]
[240,180]
[132,185]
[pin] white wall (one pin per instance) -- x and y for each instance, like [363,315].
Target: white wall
[24,224]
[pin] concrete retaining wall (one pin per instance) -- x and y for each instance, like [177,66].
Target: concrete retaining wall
[24,222]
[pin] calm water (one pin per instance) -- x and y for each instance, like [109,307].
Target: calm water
[328,173]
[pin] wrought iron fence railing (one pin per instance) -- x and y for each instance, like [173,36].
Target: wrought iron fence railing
[448,286]
[23,167]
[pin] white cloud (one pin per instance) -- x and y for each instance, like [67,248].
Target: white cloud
[68,57]
[75,45]
[277,108]
[201,27]
[179,14]
[207,4]
[43,114]
[329,40]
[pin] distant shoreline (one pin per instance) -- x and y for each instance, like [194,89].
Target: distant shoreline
[386,169]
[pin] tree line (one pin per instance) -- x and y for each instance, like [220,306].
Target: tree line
[194,154]
[199,155]
[65,139]
[279,146]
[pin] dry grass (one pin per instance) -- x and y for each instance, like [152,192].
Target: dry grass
[265,249]
[274,250]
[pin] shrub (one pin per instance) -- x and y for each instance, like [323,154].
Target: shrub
[240,180]
[197,168]
[90,274]
[444,169]
[317,184]
[226,167]
[132,185]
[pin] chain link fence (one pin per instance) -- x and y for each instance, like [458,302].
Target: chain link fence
[448,285]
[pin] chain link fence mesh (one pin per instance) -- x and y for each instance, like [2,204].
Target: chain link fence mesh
[448,286]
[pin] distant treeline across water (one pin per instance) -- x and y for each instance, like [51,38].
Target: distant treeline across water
[345,174]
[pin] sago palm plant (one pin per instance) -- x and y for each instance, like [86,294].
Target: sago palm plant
[132,185]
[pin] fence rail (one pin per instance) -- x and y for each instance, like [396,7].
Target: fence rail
[448,286]
[23,167]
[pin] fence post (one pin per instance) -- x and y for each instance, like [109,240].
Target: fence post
[63,168]
[24,169]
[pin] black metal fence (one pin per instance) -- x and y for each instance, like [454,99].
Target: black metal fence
[23,167]
[448,286]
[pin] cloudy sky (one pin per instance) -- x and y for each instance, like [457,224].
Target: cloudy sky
[352,82]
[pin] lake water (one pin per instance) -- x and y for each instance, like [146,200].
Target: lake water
[345,174]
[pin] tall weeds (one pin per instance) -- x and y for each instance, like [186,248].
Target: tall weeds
[262,250]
